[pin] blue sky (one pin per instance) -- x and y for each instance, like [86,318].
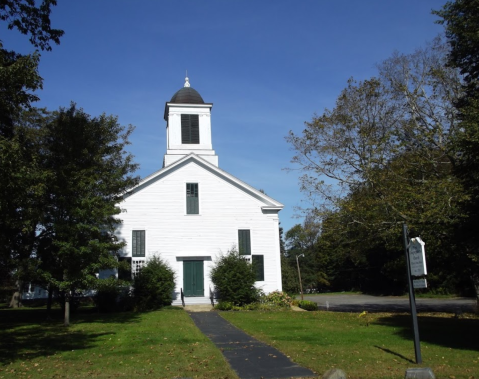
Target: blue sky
[267,66]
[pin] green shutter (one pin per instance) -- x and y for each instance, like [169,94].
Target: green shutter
[192,203]
[244,242]
[194,128]
[258,265]
[138,243]
[190,129]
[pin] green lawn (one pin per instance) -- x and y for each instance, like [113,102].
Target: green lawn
[371,346]
[161,344]
[166,344]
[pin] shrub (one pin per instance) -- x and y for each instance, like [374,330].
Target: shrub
[153,285]
[224,306]
[234,278]
[277,299]
[308,305]
[252,307]
[107,295]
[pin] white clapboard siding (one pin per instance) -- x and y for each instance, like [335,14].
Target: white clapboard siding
[158,206]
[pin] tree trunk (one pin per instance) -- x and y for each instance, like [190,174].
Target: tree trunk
[67,309]
[16,301]
[475,281]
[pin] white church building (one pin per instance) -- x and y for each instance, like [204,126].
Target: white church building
[190,211]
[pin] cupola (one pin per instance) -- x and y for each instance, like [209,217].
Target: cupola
[188,126]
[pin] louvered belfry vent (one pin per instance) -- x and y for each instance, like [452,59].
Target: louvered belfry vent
[190,129]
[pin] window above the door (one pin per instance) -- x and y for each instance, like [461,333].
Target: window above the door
[192,199]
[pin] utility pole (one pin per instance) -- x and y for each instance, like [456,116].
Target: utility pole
[299,274]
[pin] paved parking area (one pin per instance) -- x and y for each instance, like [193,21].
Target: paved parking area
[359,303]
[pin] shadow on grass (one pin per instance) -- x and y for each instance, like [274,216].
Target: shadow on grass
[448,332]
[394,353]
[26,334]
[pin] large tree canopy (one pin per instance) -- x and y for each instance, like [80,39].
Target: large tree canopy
[88,171]
[389,134]
[384,155]
[461,21]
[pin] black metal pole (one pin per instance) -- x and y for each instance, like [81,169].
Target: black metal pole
[412,299]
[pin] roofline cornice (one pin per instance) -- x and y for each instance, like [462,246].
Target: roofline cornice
[184,105]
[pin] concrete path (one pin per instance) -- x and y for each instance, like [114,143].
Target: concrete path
[359,303]
[250,358]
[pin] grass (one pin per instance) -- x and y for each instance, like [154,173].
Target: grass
[166,344]
[161,344]
[371,346]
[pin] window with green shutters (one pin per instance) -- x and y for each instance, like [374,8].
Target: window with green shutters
[244,242]
[258,265]
[190,129]
[192,203]
[138,243]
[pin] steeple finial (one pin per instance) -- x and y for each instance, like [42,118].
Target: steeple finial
[187,80]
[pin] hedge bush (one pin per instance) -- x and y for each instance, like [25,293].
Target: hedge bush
[107,295]
[308,305]
[277,299]
[234,278]
[153,286]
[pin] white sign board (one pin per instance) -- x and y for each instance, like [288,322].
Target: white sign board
[419,283]
[417,257]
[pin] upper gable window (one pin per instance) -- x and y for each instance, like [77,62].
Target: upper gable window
[190,129]
[192,203]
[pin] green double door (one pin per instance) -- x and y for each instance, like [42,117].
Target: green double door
[193,279]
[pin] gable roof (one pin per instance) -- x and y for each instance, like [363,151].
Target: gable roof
[269,203]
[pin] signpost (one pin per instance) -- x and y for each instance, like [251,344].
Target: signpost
[417,257]
[419,283]
[416,266]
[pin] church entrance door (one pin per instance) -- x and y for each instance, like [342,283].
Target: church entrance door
[193,279]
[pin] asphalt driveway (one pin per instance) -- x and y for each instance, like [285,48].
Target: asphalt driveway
[359,303]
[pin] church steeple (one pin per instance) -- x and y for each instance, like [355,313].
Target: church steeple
[188,126]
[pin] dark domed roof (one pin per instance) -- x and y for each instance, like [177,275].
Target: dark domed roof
[187,95]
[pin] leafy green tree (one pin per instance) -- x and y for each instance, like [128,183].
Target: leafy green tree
[22,179]
[301,243]
[383,131]
[32,20]
[153,286]
[289,277]
[18,78]
[19,73]
[234,278]
[383,156]
[21,194]
[461,21]
[88,170]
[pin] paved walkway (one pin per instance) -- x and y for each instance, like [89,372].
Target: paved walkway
[250,358]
